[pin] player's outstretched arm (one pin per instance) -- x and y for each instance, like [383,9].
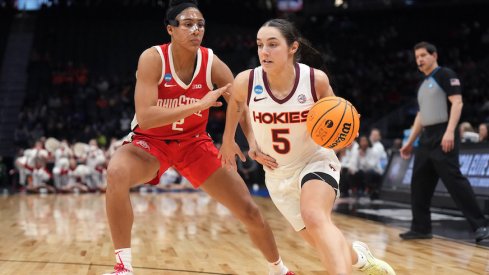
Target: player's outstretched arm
[236,105]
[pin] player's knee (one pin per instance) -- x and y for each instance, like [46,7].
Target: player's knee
[250,215]
[117,176]
[313,218]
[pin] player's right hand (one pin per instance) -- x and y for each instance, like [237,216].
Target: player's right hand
[406,151]
[262,158]
[210,99]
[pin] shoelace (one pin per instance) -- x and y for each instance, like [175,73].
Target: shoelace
[119,267]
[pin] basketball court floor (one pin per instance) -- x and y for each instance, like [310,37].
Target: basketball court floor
[178,233]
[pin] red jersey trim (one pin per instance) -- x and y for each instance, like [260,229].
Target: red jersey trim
[313,87]
[250,84]
[281,101]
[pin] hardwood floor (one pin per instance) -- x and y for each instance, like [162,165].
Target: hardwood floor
[189,233]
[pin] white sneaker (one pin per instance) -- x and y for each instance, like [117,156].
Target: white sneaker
[373,266]
[120,269]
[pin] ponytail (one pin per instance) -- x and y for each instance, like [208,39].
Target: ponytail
[308,55]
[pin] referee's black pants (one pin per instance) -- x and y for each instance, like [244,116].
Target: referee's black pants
[430,164]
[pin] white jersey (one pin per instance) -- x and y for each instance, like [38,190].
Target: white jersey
[279,125]
[32,155]
[95,157]
[62,154]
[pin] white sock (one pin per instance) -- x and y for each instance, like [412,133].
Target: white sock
[124,256]
[277,268]
[362,260]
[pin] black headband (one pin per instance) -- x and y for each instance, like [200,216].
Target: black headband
[172,13]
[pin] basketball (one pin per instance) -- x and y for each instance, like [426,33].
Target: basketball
[333,122]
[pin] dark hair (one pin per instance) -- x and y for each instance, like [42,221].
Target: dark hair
[430,48]
[366,137]
[176,7]
[306,53]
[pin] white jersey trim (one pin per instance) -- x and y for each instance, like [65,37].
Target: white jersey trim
[174,74]
[134,123]
[158,48]
[209,69]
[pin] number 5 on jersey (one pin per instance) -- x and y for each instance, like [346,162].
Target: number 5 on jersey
[281,144]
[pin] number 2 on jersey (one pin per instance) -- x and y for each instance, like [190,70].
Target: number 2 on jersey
[281,144]
[175,125]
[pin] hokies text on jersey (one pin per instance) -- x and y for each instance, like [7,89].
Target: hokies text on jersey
[278,118]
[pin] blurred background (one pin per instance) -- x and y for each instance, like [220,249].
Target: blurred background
[68,69]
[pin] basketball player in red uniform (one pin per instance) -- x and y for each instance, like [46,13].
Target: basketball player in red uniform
[301,176]
[174,91]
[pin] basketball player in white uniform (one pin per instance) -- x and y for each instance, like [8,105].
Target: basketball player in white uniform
[302,177]
[62,157]
[96,162]
[279,126]
[40,177]
[27,163]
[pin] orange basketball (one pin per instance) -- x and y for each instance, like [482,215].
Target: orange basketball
[333,122]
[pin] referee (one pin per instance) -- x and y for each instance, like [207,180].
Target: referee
[440,106]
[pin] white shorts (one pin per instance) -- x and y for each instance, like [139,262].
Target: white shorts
[285,191]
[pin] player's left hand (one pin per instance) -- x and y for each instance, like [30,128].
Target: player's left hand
[448,142]
[210,99]
[227,155]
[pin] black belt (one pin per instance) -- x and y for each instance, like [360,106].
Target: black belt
[168,141]
[436,127]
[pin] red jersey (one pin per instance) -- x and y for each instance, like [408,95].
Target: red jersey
[173,92]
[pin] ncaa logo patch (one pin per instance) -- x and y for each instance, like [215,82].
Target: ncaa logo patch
[301,98]
[258,89]
[167,77]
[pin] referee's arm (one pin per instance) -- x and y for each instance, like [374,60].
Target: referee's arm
[407,148]
[447,143]
[450,83]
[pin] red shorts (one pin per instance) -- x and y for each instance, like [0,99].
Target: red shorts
[195,158]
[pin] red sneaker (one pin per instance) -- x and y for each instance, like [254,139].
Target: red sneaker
[120,269]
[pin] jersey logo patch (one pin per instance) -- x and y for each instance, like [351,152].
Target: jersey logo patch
[258,89]
[143,144]
[332,168]
[454,82]
[169,85]
[301,98]
[167,77]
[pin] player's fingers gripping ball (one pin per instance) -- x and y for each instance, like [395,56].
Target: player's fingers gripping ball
[333,123]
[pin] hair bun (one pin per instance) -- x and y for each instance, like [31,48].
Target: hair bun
[174,3]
